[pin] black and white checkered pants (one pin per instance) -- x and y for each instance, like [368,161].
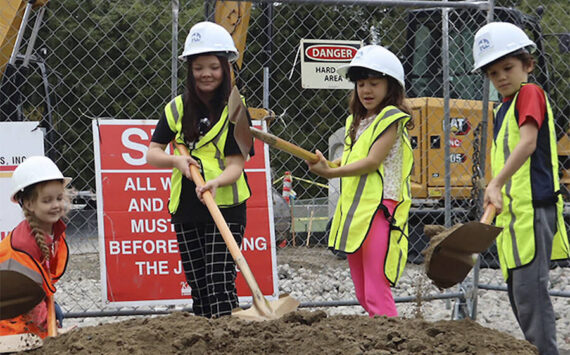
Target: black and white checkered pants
[209,267]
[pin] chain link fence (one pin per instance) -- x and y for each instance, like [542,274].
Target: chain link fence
[114,59]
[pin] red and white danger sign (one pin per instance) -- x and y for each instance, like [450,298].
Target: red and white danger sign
[320,59]
[140,262]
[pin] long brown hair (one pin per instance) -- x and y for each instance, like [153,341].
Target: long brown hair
[31,194]
[395,96]
[195,109]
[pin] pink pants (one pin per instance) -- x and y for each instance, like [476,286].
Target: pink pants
[367,268]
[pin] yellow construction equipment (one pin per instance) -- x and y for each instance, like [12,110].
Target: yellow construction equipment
[12,12]
[234,17]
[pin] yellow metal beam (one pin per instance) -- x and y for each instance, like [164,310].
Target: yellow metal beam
[234,16]
[11,13]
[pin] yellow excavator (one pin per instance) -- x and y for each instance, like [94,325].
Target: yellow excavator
[14,17]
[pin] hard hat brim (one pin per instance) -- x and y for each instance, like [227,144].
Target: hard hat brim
[232,56]
[66,181]
[531,47]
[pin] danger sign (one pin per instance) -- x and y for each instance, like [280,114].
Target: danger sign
[330,53]
[320,60]
[140,262]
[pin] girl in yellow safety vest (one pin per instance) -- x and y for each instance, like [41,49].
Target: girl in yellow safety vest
[199,119]
[370,222]
[525,187]
[36,247]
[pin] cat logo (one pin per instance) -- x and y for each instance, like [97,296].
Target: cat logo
[460,126]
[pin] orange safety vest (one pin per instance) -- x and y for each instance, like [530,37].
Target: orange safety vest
[20,252]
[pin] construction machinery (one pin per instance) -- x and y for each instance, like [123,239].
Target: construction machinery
[422,53]
[14,17]
[424,80]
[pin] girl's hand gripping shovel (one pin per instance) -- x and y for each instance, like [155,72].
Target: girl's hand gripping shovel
[453,253]
[262,309]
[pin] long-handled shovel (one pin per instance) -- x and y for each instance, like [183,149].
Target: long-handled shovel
[453,252]
[288,147]
[243,132]
[262,309]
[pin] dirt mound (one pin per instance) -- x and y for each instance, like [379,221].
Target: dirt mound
[301,332]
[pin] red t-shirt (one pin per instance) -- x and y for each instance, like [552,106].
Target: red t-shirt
[530,105]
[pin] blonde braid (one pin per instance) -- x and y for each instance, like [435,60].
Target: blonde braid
[38,233]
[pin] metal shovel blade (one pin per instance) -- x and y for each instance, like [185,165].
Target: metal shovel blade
[19,342]
[448,267]
[272,309]
[237,113]
[472,237]
[454,252]
[20,296]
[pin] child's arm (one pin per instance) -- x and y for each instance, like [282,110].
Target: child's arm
[522,151]
[157,157]
[377,154]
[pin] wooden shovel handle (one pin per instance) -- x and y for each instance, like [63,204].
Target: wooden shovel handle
[257,295]
[51,319]
[489,214]
[288,147]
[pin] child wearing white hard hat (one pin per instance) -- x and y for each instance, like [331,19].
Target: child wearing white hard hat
[370,221]
[199,120]
[525,187]
[35,250]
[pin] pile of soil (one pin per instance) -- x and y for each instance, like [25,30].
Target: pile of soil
[300,332]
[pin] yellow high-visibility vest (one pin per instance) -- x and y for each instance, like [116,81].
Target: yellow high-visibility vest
[516,243]
[209,153]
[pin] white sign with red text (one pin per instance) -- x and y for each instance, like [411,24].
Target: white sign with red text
[140,262]
[320,58]
[19,141]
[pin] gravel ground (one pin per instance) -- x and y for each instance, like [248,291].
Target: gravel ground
[314,274]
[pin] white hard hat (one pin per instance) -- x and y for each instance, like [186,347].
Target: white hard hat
[497,39]
[33,170]
[376,58]
[209,37]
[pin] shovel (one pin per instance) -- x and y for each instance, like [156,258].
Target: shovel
[262,308]
[288,147]
[21,297]
[239,116]
[453,253]
[243,132]
[19,342]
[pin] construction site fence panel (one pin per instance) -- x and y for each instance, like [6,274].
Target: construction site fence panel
[105,59]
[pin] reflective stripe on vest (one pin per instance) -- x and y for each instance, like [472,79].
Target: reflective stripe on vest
[515,245]
[209,152]
[361,196]
[15,265]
